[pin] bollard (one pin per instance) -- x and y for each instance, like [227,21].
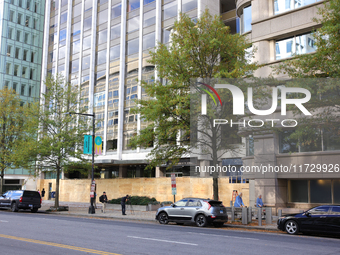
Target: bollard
[280,213]
[259,216]
[232,214]
[269,219]
[244,215]
[231,203]
[249,215]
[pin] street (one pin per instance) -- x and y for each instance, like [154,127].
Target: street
[28,233]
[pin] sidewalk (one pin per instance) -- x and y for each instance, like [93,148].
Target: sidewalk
[81,210]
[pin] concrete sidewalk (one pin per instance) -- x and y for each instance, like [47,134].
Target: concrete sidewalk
[81,210]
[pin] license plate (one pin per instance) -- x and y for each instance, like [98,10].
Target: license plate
[221,211]
[30,206]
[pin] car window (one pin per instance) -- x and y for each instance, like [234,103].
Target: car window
[319,210]
[182,202]
[16,193]
[193,202]
[6,194]
[31,194]
[336,210]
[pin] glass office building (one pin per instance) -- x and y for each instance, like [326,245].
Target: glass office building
[103,46]
[21,40]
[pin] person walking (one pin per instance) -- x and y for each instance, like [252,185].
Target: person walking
[43,193]
[103,199]
[239,201]
[124,200]
[259,202]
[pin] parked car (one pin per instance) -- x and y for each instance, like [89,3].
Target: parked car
[21,199]
[194,210]
[325,218]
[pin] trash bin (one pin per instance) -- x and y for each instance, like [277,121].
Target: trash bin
[53,194]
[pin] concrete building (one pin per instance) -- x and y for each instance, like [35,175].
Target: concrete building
[21,41]
[279,29]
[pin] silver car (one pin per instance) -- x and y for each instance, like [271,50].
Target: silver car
[194,210]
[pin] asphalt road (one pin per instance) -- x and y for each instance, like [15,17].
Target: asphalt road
[28,233]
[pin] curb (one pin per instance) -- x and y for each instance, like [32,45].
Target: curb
[252,227]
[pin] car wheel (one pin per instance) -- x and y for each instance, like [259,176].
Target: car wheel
[201,220]
[163,218]
[292,227]
[34,210]
[218,224]
[14,207]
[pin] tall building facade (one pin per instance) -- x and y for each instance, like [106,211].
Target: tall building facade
[103,46]
[21,41]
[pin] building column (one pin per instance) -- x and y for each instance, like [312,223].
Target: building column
[160,172]
[122,171]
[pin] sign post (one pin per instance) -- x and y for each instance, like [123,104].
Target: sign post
[173,185]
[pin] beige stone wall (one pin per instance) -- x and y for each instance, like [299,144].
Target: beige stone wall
[79,190]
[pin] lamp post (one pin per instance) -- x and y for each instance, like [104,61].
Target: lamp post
[91,208]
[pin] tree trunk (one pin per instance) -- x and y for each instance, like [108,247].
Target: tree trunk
[56,201]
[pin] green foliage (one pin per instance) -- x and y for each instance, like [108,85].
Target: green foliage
[14,122]
[136,200]
[205,49]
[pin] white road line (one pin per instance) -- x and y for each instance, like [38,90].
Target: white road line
[249,238]
[3,221]
[160,240]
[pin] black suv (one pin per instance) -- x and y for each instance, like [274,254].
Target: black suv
[21,199]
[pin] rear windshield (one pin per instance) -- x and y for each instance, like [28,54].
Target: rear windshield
[31,194]
[215,203]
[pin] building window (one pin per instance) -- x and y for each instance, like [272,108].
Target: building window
[24,71]
[148,1]
[8,68]
[64,2]
[87,43]
[115,32]
[10,33]
[27,21]
[86,62]
[36,7]
[88,5]
[76,10]
[76,30]
[9,50]
[32,74]
[11,16]
[170,10]
[20,3]
[19,18]
[132,46]
[63,17]
[132,24]
[101,57]
[17,53]
[62,35]
[245,18]
[28,4]
[133,5]
[166,35]
[114,52]
[149,41]
[116,11]
[6,84]
[281,6]
[188,5]
[76,47]
[102,17]
[15,85]
[25,56]
[30,91]
[22,90]
[16,70]
[149,18]
[298,191]
[102,36]
[26,38]
[62,52]
[87,23]
[18,35]
[32,57]
[296,45]
[74,66]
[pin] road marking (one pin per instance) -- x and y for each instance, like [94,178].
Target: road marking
[160,240]
[3,221]
[58,245]
[249,238]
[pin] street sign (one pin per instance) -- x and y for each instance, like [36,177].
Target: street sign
[87,144]
[93,188]
[173,184]
[98,145]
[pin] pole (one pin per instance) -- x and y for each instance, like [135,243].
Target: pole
[174,198]
[92,209]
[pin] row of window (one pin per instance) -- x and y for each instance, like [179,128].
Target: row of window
[20,53]
[19,19]
[25,72]
[27,4]
[20,88]
[20,36]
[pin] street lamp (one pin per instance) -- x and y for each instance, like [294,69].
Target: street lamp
[91,209]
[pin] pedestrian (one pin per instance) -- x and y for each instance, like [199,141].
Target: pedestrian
[124,200]
[94,200]
[103,199]
[43,193]
[38,191]
[259,202]
[238,201]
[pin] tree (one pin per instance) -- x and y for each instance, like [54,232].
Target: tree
[14,119]
[323,63]
[60,134]
[203,49]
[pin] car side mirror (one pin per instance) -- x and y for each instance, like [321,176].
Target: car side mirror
[307,214]
[173,205]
